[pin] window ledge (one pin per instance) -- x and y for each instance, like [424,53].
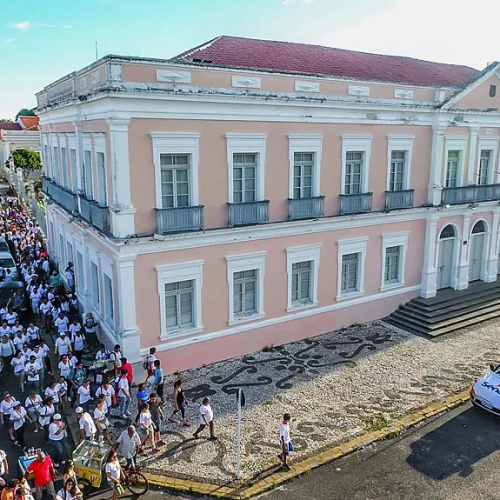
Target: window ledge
[301,306]
[246,319]
[172,334]
[350,295]
[391,286]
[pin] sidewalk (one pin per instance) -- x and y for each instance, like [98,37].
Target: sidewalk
[336,387]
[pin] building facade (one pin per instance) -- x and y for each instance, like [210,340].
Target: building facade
[250,193]
[22,134]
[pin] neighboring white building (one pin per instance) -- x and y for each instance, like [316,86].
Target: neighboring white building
[23,134]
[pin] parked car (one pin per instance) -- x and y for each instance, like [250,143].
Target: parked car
[7,262]
[485,393]
[7,290]
[4,246]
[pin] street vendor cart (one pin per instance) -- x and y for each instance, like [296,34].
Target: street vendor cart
[90,459]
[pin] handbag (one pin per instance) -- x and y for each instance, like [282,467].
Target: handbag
[120,489]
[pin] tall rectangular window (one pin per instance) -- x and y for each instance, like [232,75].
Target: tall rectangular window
[398,171]
[109,312]
[55,165]
[392,269]
[244,177]
[452,169]
[179,304]
[69,252]
[94,273]
[174,180]
[245,293]
[64,166]
[79,277]
[101,179]
[303,175]
[46,160]
[350,273]
[74,170]
[87,175]
[62,250]
[354,172]
[484,167]
[301,283]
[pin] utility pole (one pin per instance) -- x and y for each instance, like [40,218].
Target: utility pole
[96,51]
[240,396]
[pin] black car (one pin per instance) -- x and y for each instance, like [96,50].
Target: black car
[7,291]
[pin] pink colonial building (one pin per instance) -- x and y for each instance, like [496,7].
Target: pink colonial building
[250,193]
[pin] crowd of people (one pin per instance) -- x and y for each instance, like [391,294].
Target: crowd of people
[47,350]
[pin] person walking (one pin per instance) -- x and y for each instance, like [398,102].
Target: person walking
[206,418]
[146,428]
[18,362]
[7,351]
[142,397]
[86,424]
[158,383]
[18,418]
[44,474]
[124,395]
[156,416]
[4,468]
[84,396]
[113,474]
[116,357]
[33,369]
[180,402]
[106,390]
[57,433]
[285,441]
[33,405]
[6,407]
[90,326]
[70,491]
[78,339]
[47,411]
[130,444]
[101,422]
[76,377]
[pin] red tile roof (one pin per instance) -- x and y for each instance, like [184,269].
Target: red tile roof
[30,122]
[314,59]
[10,126]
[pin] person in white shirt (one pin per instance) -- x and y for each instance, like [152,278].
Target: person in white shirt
[18,362]
[19,339]
[11,317]
[102,423]
[61,323]
[102,353]
[74,327]
[146,427]
[62,389]
[113,473]
[77,338]
[33,405]
[7,351]
[63,344]
[106,390]
[87,426]
[18,418]
[27,352]
[33,373]
[206,418]
[124,395]
[285,440]
[116,357]
[34,334]
[4,467]
[17,327]
[47,411]
[72,359]
[130,443]
[5,329]
[45,309]
[6,407]
[84,397]
[57,433]
[52,391]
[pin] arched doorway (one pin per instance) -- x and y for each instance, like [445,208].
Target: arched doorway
[476,252]
[445,257]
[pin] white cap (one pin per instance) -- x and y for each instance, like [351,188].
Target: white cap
[57,416]
[79,409]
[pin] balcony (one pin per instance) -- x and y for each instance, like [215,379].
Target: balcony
[64,198]
[99,216]
[249,213]
[399,199]
[85,208]
[355,203]
[470,194]
[305,208]
[179,220]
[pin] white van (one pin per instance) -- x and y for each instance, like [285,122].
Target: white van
[7,262]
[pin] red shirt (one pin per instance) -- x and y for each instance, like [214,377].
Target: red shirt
[128,367]
[41,471]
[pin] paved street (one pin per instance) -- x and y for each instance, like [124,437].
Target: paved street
[454,457]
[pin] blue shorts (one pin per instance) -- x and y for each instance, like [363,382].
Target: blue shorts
[289,448]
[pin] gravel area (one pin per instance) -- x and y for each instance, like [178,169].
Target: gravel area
[335,386]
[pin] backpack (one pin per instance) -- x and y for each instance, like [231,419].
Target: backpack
[145,363]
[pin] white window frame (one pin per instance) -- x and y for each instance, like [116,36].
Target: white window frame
[71,140]
[400,143]
[46,155]
[345,247]
[246,262]
[100,147]
[455,144]
[490,144]
[96,301]
[87,146]
[173,273]
[252,144]
[63,144]
[106,269]
[295,255]
[399,239]
[305,143]
[177,143]
[55,159]
[357,143]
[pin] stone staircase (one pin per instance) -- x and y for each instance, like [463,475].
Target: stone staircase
[450,310]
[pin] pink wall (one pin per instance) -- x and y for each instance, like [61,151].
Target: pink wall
[479,98]
[215,312]
[213,175]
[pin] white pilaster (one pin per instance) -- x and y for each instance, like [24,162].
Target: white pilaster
[471,178]
[123,213]
[463,263]
[492,262]
[435,186]
[429,271]
[130,333]
[87,290]
[79,156]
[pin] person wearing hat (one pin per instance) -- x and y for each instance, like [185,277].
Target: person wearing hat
[6,407]
[32,370]
[57,433]
[86,423]
[63,344]
[18,419]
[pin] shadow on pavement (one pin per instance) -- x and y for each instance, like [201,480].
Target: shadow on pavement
[455,446]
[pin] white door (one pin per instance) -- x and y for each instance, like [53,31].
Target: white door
[445,263]
[476,256]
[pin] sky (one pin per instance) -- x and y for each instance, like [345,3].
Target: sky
[42,40]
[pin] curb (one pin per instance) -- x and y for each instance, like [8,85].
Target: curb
[250,488]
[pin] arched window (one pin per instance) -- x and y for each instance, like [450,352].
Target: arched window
[447,232]
[479,227]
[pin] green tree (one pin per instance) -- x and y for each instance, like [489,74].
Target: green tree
[5,120]
[25,112]
[26,160]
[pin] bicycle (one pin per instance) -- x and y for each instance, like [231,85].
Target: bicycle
[132,478]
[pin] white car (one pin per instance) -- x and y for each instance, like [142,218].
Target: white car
[485,393]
